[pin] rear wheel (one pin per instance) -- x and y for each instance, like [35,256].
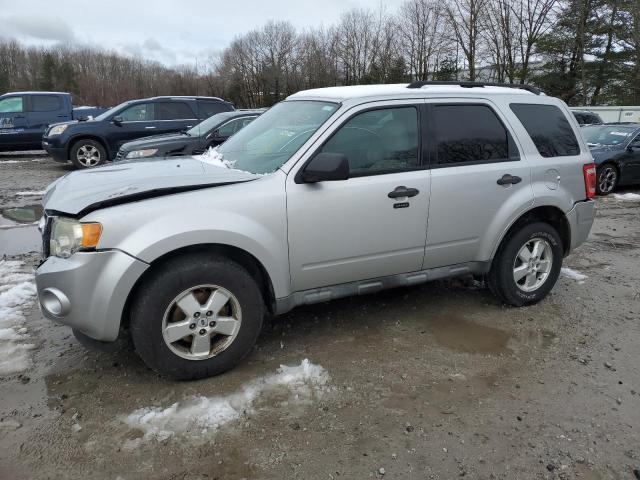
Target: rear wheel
[527,265]
[607,179]
[196,316]
[87,153]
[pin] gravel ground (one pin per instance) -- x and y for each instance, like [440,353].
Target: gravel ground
[436,381]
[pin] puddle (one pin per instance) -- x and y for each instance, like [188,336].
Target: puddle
[19,231]
[469,337]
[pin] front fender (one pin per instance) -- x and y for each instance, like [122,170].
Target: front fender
[250,216]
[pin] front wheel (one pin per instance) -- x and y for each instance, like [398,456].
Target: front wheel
[607,179]
[527,265]
[87,154]
[196,316]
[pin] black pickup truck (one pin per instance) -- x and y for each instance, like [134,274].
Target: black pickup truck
[24,116]
[91,143]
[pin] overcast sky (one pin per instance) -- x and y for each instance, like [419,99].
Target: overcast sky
[172,32]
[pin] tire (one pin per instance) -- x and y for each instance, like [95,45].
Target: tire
[502,276]
[607,179]
[154,312]
[87,153]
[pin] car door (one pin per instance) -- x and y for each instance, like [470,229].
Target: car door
[373,224]
[477,177]
[630,160]
[42,111]
[133,122]
[13,122]
[174,116]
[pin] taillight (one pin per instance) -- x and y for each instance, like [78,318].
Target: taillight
[589,172]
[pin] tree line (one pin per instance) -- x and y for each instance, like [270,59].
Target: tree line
[583,51]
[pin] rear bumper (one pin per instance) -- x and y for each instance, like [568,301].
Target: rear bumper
[58,153]
[88,291]
[581,218]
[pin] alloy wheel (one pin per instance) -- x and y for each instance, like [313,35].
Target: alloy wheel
[201,322]
[88,156]
[533,264]
[607,179]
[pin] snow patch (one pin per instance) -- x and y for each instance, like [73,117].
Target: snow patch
[573,274]
[29,193]
[213,157]
[202,416]
[16,294]
[627,197]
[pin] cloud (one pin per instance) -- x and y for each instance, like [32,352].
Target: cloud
[42,27]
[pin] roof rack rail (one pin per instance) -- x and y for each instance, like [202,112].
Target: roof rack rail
[463,84]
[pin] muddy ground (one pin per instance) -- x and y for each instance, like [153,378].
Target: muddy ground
[437,381]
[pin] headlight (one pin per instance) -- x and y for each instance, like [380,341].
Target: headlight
[69,236]
[149,152]
[57,130]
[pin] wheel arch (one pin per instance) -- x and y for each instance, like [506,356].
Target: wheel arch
[240,256]
[73,140]
[545,213]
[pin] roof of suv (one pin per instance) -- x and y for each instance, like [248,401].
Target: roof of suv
[341,94]
[186,97]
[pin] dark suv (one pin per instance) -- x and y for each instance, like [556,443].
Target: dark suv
[91,143]
[209,133]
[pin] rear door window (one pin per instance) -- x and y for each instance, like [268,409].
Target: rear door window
[173,111]
[548,128]
[468,134]
[45,103]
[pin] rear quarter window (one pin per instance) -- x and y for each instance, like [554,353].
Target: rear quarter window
[548,128]
[207,109]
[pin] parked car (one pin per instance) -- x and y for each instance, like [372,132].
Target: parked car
[24,116]
[91,143]
[329,197]
[585,117]
[195,141]
[616,151]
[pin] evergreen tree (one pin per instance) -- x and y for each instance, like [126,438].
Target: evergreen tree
[47,74]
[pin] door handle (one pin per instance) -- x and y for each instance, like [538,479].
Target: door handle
[149,128]
[403,191]
[508,179]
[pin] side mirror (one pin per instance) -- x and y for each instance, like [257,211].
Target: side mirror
[117,120]
[326,167]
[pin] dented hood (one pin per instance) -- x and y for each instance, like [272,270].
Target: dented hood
[81,192]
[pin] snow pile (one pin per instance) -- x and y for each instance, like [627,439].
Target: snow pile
[16,293]
[213,157]
[573,274]
[627,197]
[200,416]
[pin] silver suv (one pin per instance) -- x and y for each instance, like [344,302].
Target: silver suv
[332,192]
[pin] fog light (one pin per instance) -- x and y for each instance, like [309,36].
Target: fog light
[54,302]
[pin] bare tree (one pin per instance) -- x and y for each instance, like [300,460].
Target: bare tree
[420,24]
[465,19]
[534,20]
